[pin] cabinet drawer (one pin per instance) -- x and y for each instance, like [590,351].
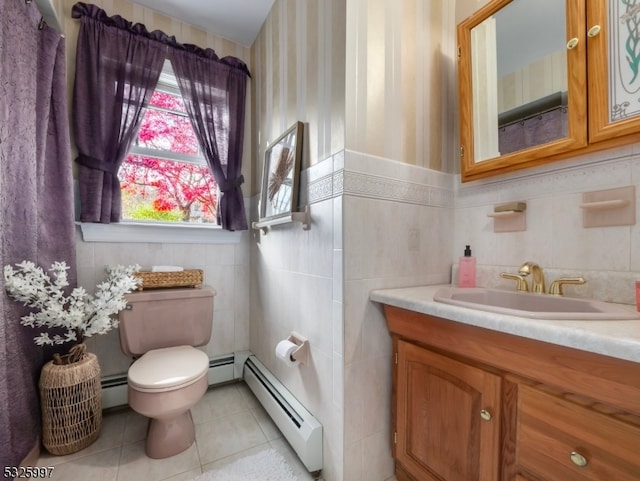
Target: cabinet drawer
[550,429]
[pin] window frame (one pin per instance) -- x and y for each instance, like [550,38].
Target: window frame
[168,83]
[157,233]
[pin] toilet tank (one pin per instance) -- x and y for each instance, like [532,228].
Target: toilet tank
[160,318]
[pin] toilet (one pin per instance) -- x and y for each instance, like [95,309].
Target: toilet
[160,329]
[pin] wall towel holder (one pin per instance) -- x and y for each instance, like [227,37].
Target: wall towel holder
[609,207]
[304,217]
[509,217]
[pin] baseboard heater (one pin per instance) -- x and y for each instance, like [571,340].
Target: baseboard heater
[299,427]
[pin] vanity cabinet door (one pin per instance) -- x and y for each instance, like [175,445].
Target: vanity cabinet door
[561,441]
[613,56]
[447,417]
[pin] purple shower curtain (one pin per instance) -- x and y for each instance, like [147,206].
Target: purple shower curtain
[534,131]
[36,203]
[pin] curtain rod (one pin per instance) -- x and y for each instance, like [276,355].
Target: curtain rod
[557,100]
[48,13]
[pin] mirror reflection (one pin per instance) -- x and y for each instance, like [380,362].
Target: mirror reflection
[519,78]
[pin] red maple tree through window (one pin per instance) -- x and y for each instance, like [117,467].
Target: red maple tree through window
[165,178]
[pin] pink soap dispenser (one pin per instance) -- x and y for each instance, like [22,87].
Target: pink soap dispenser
[467,269]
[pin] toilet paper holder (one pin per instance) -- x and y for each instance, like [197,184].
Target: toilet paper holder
[301,354]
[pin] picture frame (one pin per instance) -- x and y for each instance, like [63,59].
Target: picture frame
[281,175]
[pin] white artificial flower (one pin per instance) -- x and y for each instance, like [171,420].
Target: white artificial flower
[81,314]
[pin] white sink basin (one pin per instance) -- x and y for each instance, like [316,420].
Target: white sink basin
[534,306]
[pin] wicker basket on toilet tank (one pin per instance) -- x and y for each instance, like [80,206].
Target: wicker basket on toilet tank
[159,280]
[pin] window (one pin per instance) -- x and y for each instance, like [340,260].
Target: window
[165,177]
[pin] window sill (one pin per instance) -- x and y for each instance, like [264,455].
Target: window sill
[156,233]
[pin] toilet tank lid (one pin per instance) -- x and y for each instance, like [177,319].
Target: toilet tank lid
[173,293]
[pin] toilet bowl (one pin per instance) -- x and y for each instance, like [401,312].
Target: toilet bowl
[170,376]
[164,384]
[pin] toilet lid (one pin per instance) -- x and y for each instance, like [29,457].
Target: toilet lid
[169,367]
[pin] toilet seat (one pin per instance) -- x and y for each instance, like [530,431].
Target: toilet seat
[168,369]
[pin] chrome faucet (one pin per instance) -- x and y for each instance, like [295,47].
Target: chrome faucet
[537,277]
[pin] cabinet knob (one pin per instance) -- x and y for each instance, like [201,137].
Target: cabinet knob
[578,459]
[573,43]
[485,415]
[594,31]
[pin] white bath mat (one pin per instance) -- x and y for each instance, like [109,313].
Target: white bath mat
[267,465]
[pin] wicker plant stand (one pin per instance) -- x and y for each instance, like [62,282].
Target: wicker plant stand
[71,403]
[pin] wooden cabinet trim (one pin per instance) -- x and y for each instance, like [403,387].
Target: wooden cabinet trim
[481,171]
[612,381]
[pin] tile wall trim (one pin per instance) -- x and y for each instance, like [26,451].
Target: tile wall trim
[321,189]
[610,168]
[383,180]
[373,177]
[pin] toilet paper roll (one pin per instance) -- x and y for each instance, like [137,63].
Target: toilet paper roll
[284,349]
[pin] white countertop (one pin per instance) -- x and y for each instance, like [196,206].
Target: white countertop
[620,339]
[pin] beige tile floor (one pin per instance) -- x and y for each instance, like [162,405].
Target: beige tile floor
[230,424]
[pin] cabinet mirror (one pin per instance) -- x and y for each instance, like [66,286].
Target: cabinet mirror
[521,70]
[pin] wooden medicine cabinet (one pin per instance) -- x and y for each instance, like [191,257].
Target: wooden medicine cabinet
[545,80]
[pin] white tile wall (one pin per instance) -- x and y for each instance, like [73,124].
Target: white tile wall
[296,286]
[298,274]
[398,226]
[226,269]
[608,257]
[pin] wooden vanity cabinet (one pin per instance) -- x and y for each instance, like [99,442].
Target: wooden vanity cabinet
[471,404]
[559,441]
[448,416]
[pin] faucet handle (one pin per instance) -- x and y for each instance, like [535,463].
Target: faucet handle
[521,283]
[556,286]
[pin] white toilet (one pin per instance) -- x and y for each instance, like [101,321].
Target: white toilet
[163,327]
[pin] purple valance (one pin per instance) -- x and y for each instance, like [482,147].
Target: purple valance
[94,12]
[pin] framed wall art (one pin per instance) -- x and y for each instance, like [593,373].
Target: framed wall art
[281,174]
